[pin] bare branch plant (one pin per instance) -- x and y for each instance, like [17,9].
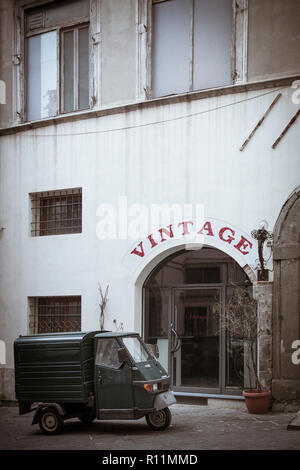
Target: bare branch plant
[240,322]
[102,304]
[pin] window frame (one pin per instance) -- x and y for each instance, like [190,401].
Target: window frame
[145,46]
[76,24]
[75,27]
[130,353]
[35,316]
[103,364]
[36,209]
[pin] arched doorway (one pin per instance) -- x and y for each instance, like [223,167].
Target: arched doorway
[180,297]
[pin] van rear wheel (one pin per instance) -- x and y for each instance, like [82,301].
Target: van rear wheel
[50,421]
[159,420]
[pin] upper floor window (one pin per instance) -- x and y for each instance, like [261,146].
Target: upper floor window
[192,45]
[57,59]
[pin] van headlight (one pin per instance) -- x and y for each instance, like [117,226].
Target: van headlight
[151,387]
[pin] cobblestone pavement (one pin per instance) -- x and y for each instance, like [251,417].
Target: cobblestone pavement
[193,428]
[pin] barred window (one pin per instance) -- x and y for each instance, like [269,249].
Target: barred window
[56,212]
[54,314]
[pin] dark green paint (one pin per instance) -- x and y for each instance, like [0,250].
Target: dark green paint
[55,367]
[60,368]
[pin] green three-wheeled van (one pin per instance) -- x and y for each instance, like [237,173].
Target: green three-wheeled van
[101,375]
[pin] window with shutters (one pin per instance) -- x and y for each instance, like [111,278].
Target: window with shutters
[57,59]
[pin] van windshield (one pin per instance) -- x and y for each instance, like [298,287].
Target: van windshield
[136,348]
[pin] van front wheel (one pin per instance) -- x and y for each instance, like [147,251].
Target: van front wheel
[50,421]
[159,420]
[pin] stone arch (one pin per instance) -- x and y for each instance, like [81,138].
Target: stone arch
[286,303]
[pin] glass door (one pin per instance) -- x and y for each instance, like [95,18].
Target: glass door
[196,339]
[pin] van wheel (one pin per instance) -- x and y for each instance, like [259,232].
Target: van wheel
[50,421]
[159,420]
[87,419]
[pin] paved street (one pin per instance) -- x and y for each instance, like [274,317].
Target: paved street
[193,427]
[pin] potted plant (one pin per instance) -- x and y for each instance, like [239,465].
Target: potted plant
[240,323]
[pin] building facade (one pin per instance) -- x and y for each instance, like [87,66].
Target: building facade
[142,144]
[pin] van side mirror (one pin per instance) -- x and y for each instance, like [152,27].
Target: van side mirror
[122,355]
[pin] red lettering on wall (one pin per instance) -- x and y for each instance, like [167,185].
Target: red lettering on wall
[225,234]
[139,253]
[167,232]
[243,243]
[185,227]
[153,242]
[229,237]
[207,228]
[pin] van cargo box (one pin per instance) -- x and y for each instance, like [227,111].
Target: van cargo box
[56,367]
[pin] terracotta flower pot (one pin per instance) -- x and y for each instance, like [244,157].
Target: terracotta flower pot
[257,401]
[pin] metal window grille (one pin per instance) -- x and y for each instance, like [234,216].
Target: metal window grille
[55,314]
[56,212]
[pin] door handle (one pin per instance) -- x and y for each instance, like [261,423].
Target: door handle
[99,379]
[178,340]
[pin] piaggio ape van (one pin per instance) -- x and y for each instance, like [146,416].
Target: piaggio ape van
[101,375]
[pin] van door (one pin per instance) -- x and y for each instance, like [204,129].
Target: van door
[113,382]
